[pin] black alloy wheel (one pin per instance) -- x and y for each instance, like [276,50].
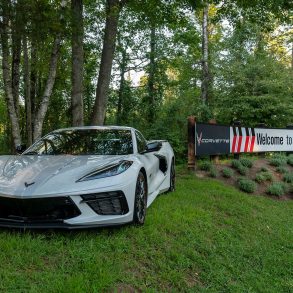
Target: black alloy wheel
[140,202]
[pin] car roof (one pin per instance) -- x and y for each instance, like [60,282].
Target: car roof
[96,127]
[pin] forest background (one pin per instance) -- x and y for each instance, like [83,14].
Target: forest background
[145,63]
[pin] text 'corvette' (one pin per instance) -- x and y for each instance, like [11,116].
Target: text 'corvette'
[84,177]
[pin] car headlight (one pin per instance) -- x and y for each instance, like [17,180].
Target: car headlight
[108,171]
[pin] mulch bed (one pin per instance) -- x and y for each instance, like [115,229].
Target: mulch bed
[257,165]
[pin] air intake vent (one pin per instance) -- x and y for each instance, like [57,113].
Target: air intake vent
[37,210]
[107,203]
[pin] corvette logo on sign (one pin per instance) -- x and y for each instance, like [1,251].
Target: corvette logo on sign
[199,138]
[212,139]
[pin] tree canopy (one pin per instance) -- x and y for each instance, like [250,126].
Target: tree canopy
[147,64]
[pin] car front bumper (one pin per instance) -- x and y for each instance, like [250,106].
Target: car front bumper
[95,208]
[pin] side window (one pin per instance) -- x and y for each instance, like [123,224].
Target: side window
[141,142]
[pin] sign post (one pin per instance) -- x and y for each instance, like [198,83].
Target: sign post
[191,142]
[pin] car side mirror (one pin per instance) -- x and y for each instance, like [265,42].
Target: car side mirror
[20,149]
[153,146]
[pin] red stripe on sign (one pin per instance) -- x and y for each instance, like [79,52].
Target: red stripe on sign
[239,144]
[246,143]
[252,144]
[234,143]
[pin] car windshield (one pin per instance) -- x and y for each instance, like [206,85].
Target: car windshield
[84,142]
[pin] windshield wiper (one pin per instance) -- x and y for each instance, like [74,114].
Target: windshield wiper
[32,153]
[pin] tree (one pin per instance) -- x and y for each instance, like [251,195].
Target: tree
[7,74]
[205,55]
[113,9]
[77,62]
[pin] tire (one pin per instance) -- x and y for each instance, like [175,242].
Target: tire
[172,177]
[140,201]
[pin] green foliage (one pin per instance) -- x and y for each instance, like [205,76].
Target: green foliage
[246,185]
[290,160]
[236,164]
[205,165]
[288,177]
[278,160]
[242,170]
[246,162]
[282,170]
[263,176]
[213,172]
[276,189]
[227,172]
[264,169]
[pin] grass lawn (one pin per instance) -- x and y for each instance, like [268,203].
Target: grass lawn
[205,237]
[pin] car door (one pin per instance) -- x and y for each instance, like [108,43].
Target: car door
[150,161]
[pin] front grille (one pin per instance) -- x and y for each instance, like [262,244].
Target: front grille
[37,210]
[107,203]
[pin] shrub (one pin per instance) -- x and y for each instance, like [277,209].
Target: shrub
[263,176]
[213,172]
[227,172]
[242,170]
[204,165]
[282,170]
[290,160]
[264,169]
[246,162]
[236,164]
[246,185]
[276,189]
[288,177]
[278,160]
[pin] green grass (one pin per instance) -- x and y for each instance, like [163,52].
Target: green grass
[205,237]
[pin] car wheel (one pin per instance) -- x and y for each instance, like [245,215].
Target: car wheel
[140,202]
[172,177]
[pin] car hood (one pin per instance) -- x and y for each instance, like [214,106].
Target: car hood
[28,175]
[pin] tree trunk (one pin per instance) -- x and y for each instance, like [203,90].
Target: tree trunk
[77,62]
[112,11]
[43,108]
[292,55]
[121,86]
[16,52]
[151,79]
[27,93]
[33,78]
[205,56]
[7,77]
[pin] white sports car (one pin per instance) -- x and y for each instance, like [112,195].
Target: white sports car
[84,177]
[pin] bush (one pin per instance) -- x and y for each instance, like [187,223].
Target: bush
[246,162]
[276,189]
[204,165]
[213,172]
[242,170]
[227,172]
[263,176]
[246,185]
[278,160]
[282,170]
[264,169]
[288,177]
[236,164]
[290,160]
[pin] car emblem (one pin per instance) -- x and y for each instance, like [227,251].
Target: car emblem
[28,184]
